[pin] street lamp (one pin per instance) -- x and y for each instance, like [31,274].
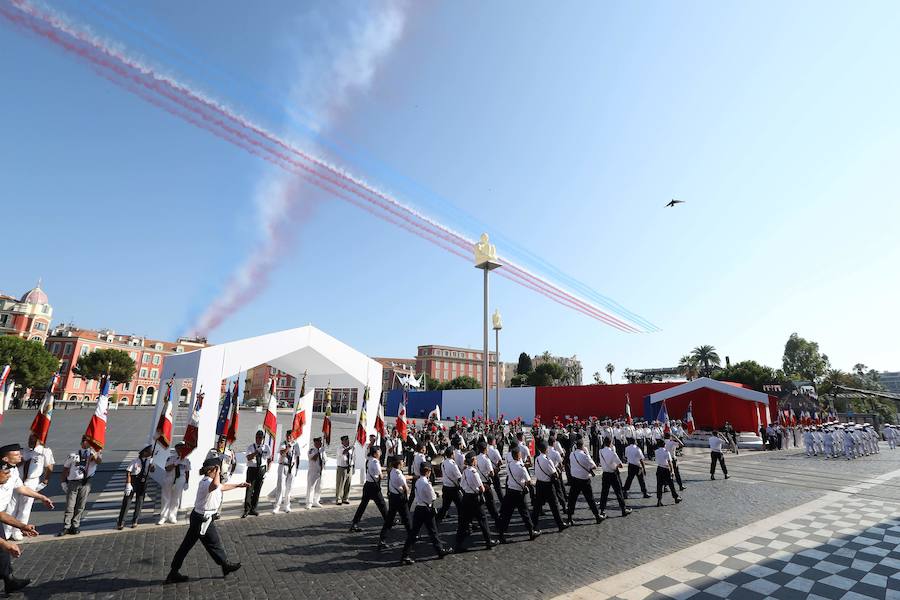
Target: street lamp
[498,325]
[486,260]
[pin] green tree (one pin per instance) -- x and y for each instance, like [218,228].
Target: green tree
[518,380]
[463,382]
[432,384]
[610,368]
[30,363]
[598,378]
[748,372]
[546,374]
[525,365]
[688,367]
[94,365]
[707,358]
[803,360]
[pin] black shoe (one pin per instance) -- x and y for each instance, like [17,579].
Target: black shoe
[406,560]
[659,503]
[176,577]
[600,518]
[75,531]
[503,539]
[14,585]
[121,527]
[243,515]
[492,543]
[338,502]
[563,526]
[726,475]
[134,525]
[712,477]
[62,533]
[444,552]
[626,512]
[603,515]
[677,500]
[569,522]
[354,528]
[681,489]
[230,568]
[647,496]
[253,513]
[533,534]
[381,545]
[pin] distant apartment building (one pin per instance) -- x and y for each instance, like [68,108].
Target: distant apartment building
[570,364]
[448,362]
[28,316]
[392,370]
[68,343]
[257,380]
[890,380]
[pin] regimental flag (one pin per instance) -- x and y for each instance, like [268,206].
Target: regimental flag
[689,418]
[402,429]
[96,429]
[361,424]
[231,432]
[380,427]
[270,420]
[4,375]
[193,426]
[832,414]
[436,414]
[299,421]
[628,409]
[326,419]
[793,418]
[224,414]
[40,427]
[164,425]
[817,418]
[663,417]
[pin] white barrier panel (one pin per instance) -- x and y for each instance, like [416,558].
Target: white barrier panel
[514,402]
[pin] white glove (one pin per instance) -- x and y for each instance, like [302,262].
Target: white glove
[128,489]
[65,487]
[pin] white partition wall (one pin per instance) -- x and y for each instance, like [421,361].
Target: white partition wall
[514,402]
[292,351]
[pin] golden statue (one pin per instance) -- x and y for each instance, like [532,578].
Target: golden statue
[498,323]
[485,251]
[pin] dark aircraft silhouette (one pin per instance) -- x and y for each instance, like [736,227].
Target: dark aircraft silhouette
[673,202]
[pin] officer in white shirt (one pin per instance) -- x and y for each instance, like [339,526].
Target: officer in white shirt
[472,506]
[419,459]
[423,515]
[288,464]
[556,456]
[494,454]
[345,468]
[672,445]
[202,524]
[486,470]
[398,497]
[36,468]
[450,492]
[135,485]
[581,469]
[664,473]
[175,481]
[610,464]
[316,457]
[8,549]
[458,455]
[545,472]
[518,483]
[226,455]
[715,455]
[371,489]
[890,435]
[258,456]
[78,471]
[636,468]
[523,449]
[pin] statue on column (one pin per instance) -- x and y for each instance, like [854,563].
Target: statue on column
[498,323]
[485,251]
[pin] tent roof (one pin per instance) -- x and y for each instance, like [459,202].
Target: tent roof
[705,382]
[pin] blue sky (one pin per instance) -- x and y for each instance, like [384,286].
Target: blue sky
[565,129]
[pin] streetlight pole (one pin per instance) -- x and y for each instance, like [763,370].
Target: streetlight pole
[498,325]
[486,260]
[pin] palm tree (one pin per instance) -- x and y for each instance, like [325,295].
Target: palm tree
[706,355]
[687,366]
[610,368]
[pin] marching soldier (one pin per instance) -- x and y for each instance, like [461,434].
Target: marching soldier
[544,472]
[288,463]
[423,515]
[610,463]
[715,455]
[344,468]
[581,468]
[485,469]
[494,454]
[672,445]
[316,456]
[398,494]
[371,489]
[257,460]
[472,506]
[450,492]
[135,486]
[517,483]
[418,460]
[636,468]
[664,473]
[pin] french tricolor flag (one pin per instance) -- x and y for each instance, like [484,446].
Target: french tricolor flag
[663,417]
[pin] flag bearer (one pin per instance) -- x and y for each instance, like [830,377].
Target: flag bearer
[257,460]
[78,470]
[314,474]
[288,463]
[135,486]
[175,481]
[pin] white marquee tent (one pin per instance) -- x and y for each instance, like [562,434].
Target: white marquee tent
[293,351]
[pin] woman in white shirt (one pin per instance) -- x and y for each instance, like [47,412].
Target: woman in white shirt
[202,525]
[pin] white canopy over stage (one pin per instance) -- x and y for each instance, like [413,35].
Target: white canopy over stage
[325,359]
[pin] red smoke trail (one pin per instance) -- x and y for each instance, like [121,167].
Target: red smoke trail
[400,215]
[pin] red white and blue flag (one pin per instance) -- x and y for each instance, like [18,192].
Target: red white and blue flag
[193,427]
[362,423]
[663,416]
[224,414]
[40,427]
[689,418]
[96,429]
[628,409]
[270,420]
[402,429]
[164,424]
[231,431]
[4,375]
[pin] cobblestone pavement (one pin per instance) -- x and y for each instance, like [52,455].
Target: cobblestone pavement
[311,554]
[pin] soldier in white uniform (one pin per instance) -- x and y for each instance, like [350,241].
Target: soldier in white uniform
[518,481]
[258,458]
[371,489]
[135,486]
[36,467]
[450,492]
[610,464]
[288,464]
[398,496]
[582,469]
[78,471]
[345,468]
[225,455]
[636,468]
[472,506]
[423,515]
[317,458]
[8,549]
[175,481]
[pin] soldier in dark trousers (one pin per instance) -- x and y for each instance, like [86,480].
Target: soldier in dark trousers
[472,506]
[636,468]
[136,486]
[398,495]
[371,488]
[610,463]
[581,469]
[423,515]
[518,481]
[450,492]
[258,457]
[544,472]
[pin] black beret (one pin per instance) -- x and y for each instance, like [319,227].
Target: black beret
[10,448]
[212,462]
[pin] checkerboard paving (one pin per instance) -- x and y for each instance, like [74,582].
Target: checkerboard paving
[848,550]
